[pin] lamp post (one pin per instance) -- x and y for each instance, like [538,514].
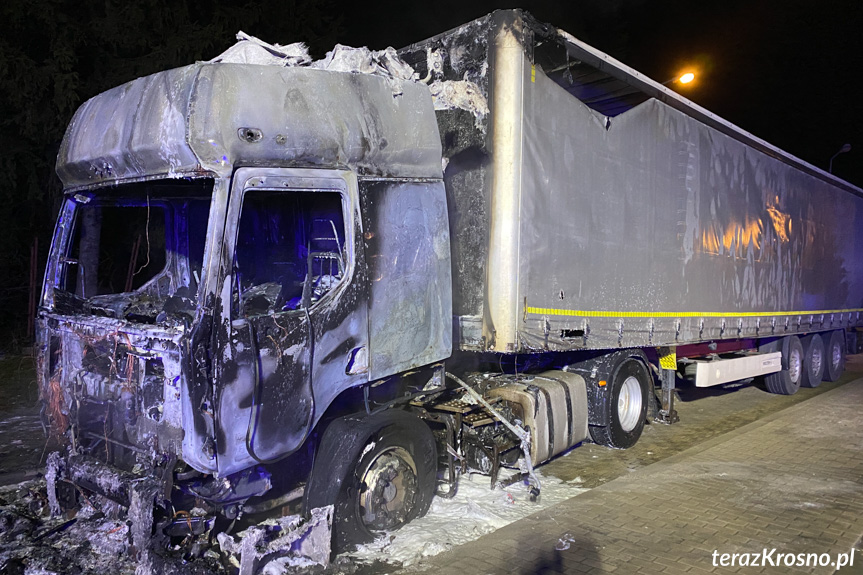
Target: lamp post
[842,150]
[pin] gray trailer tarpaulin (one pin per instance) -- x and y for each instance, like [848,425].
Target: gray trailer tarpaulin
[651,217]
[595,208]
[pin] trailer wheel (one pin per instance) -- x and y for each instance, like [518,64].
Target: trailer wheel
[391,484]
[787,380]
[834,364]
[813,360]
[627,406]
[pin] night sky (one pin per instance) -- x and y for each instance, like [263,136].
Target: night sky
[784,70]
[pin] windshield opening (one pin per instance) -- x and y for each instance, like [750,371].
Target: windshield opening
[136,251]
[117,249]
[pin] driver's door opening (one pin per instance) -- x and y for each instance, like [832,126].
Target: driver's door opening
[290,250]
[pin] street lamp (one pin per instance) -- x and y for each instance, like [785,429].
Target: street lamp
[842,150]
[686,78]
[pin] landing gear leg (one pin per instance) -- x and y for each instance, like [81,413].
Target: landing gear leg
[667,414]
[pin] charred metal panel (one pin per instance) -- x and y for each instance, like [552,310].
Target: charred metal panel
[653,228]
[464,55]
[118,386]
[59,246]
[407,250]
[134,130]
[306,117]
[275,373]
[198,359]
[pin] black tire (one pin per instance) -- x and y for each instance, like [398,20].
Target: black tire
[626,406]
[787,380]
[834,355]
[813,360]
[401,461]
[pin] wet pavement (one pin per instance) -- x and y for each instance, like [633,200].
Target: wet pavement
[22,440]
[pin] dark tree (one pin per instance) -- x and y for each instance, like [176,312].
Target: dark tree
[55,54]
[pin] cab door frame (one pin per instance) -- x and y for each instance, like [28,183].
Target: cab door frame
[277,373]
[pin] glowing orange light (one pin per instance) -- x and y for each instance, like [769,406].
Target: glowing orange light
[686,78]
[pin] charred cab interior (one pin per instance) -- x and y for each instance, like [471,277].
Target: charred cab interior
[290,250]
[136,251]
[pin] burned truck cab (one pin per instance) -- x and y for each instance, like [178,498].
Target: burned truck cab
[241,248]
[121,300]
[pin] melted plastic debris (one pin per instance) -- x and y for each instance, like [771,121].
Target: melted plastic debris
[434,64]
[460,94]
[384,63]
[455,94]
[95,542]
[473,512]
[52,470]
[251,50]
[565,541]
[446,95]
[364,61]
[282,545]
[347,59]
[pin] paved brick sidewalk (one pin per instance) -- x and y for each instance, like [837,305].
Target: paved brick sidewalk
[791,481]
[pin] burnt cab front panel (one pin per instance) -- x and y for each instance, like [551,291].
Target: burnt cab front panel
[123,292]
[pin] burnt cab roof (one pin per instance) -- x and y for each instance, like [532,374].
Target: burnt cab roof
[211,117]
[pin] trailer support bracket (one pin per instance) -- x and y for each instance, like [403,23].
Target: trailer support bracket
[667,414]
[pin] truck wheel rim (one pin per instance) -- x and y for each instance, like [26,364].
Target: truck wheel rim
[629,403]
[794,366]
[388,490]
[835,356]
[816,360]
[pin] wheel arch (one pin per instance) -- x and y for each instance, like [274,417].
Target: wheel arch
[339,449]
[595,369]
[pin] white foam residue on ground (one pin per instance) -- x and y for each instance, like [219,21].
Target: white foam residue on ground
[474,511]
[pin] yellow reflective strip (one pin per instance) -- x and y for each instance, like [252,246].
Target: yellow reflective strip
[533,74]
[680,314]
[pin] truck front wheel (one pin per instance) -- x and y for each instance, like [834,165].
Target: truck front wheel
[628,389]
[392,483]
